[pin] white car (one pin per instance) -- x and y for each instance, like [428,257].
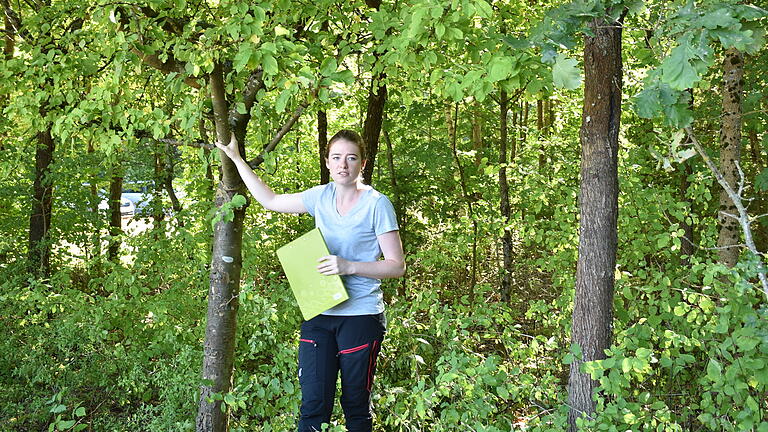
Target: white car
[127,208]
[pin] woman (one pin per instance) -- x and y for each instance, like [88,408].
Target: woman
[359,226]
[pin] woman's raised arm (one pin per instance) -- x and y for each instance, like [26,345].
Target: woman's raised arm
[284,203]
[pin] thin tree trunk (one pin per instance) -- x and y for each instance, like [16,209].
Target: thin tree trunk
[226,266]
[540,128]
[689,236]
[158,214]
[168,184]
[760,200]
[477,133]
[115,219]
[322,141]
[377,97]
[39,255]
[689,241]
[506,240]
[730,155]
[452,120]
[598,202]
[397,202]
[207,153]
[513,149]
[524,123]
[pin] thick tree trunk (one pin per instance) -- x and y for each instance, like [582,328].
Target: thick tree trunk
[506,239]
[322,141]
[115,218]
[39,255]
[730,155]
[598,202]
[377,97]
[226,265]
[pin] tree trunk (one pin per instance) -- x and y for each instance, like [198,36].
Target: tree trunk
[226,265]
[158,213]
[377,97]
[760,201]
[398,203]
[39,255]
[598,202]
[452,120]
[540,128]
[477,133]
[115,219]
[687,245]
[506,240]
[322,141]
[730,155]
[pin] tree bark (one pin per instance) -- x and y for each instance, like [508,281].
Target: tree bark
[730,155]
[452,121]
[477,133]
[506,239]
[322,141]
[39,254]
[598,202]
[541,125]
[115,218]
[224,288]
[377,97]
[760,200]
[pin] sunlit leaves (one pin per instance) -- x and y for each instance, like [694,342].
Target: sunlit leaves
[565,73]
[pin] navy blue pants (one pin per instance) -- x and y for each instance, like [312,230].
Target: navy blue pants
[330,344]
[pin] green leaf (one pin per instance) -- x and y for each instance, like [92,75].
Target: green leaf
[328,66]
[439,30]
[65,424]
[761,181]
[238,201]
[80,412]
[714,370]
[280,30]
[676,70]
[500,68]
[269,64]
[565,73]
[242,57]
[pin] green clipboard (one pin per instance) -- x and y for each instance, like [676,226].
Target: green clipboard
[315,293]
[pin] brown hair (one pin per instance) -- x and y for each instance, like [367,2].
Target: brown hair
[351,136]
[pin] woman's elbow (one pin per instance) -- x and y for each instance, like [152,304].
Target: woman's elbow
[400,269]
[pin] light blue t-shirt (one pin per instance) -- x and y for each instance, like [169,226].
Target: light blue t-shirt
[354,238]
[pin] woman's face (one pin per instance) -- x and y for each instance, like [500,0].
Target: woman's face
[344,162]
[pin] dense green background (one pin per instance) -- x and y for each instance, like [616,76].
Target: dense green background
[118,345]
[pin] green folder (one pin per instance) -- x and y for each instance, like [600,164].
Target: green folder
[315,293]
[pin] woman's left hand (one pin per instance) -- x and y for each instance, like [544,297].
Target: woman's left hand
[334,265]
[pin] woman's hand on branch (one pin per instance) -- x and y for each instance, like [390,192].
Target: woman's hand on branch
[232,149]
[334,265]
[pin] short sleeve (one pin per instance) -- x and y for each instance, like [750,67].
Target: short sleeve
[309,198]
[384,218]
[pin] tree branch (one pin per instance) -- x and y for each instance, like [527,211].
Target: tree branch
[168,66]
[743,217]
[280,134]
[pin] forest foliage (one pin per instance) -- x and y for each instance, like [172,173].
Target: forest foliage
[101,342]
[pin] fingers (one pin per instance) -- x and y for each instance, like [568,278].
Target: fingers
[332,265]
[328,265]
